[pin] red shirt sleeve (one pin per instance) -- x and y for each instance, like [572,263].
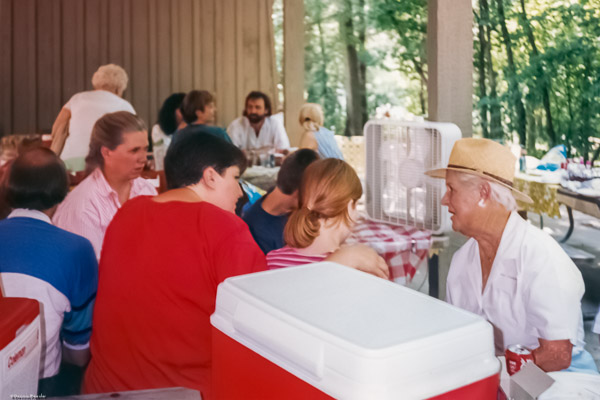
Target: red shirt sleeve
[234,250]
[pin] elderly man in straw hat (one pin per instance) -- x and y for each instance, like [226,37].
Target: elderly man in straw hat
[509,272]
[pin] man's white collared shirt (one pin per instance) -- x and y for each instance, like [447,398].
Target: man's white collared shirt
[271,134]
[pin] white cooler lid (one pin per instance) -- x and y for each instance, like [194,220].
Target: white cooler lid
[353,335]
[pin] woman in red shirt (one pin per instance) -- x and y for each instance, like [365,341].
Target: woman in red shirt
[162,260]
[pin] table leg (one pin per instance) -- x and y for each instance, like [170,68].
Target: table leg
[434,276]
[571,225]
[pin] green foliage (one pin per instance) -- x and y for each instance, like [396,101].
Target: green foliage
[392,50]
[537,65]
[556,50]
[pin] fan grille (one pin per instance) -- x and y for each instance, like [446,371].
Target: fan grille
[398,192]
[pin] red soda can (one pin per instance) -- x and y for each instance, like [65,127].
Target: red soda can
[516,357]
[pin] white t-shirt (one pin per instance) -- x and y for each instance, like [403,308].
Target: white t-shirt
[272,134]
[86,108]
[534,290]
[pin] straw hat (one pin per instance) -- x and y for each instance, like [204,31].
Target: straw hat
[484,158]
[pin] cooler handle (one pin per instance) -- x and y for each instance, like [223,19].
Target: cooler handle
[279,341]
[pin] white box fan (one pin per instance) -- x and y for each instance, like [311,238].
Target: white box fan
[397,154]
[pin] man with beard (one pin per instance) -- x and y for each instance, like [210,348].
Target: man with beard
[256,129]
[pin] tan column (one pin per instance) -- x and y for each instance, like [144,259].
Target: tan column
[450,63]
[293,66]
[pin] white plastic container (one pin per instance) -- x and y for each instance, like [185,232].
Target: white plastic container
[348,334]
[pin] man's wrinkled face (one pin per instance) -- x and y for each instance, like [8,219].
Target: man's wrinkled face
[255,110]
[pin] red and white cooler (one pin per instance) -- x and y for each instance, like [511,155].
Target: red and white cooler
[323,330]
[20,346]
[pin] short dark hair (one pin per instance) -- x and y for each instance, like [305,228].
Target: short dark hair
[255,94]
[292,169]
[195,100]
[193,152]
[166,114]
[37,180]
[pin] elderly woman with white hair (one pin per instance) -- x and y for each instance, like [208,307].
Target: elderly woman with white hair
[511,273]
[73,126]
[315,136]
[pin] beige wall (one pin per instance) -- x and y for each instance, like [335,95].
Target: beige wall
[50,49]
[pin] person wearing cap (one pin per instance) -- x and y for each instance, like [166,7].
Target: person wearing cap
[509,272]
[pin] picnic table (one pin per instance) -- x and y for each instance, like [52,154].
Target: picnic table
[576,201]
[541,191]
[403,248]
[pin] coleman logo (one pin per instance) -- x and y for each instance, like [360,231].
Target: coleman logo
[12,360]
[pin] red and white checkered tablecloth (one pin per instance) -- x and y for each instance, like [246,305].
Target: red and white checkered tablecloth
[402,247]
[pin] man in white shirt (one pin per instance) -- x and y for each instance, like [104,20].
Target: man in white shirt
[256,129]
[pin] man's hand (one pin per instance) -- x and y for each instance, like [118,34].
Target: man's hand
[362,258]
[553,355]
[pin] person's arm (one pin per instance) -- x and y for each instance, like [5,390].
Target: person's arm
[308,141]
[77,323]
[60,130]
[552,296]
[362,258]
[553,355]
[235,252]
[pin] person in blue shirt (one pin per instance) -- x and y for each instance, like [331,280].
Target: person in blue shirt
[268,215]
[43,262]
[198,111]
[315,135]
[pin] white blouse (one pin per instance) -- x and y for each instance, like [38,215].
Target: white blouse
[534,289]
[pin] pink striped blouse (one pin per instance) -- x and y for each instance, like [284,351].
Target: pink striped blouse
[89,208]
[289,257]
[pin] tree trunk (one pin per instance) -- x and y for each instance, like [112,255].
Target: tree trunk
[323,66]
[483,108]
[362,51]
[543,81]
[355,83]
[513,85]
[586,107]
[422,100]
[571,124]
[496,131]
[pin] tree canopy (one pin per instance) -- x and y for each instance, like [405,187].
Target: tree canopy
[536,66]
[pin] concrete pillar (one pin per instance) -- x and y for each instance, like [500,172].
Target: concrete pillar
[450,63]
[293,66]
